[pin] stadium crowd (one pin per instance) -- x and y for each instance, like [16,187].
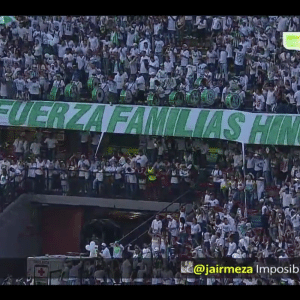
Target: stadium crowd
[158,54]
[211,172]
[152,54]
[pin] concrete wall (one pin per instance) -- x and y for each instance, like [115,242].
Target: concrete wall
[21,222]
[19,229]
[61,227]
[125,204]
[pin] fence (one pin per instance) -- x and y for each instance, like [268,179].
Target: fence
[108,184]
[89,184]
[11,191]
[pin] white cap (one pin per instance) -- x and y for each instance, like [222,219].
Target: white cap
[103,244]
[169,217]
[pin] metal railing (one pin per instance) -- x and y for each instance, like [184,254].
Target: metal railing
[11,190]
[150,219]
[85,183]
[69,183]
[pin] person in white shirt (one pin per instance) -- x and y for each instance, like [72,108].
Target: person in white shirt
[156,225]
[29,59]
[259,101]
[191,72]
[105,253]
[134,51]
[225,228]
[112,91]
[141,86]
[184,55]
[215,202]
[196,55]
[171,28]
[132,183]
[34,89]
[217,175]
[223,63]
[83,175]
[231,248]
[188,24]
[153,65]
[35,148]
[250,163]
[145,47]
[172,53]
[201,68]
[282,23]
[38,51]
[162,74]
[160,92]
[158,49]
[98,181]
[172,228]
[93,42]
[286,196]
[39,174]
[51,142]
[271,100]
[141,159]
[258,165]
[195,232]
[238,161]
[144,65]
[201,24]
[20,86]
[60,85]
[31,174]
[169,84]
[19,147]
[243,81]
[216,26]
[120,78]
[296,223]
[4,164]
[239,60]
[211,57]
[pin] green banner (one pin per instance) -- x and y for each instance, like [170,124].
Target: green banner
[249,128]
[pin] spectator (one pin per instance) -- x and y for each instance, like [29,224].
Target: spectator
[83,175]
[19,147]
[156,225]
[172,229]
[265,71]
[51,142]
[105,253]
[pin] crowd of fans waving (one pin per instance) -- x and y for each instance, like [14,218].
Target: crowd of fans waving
[164,168]
[158,54]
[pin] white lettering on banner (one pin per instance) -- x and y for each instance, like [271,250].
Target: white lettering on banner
[249,128]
